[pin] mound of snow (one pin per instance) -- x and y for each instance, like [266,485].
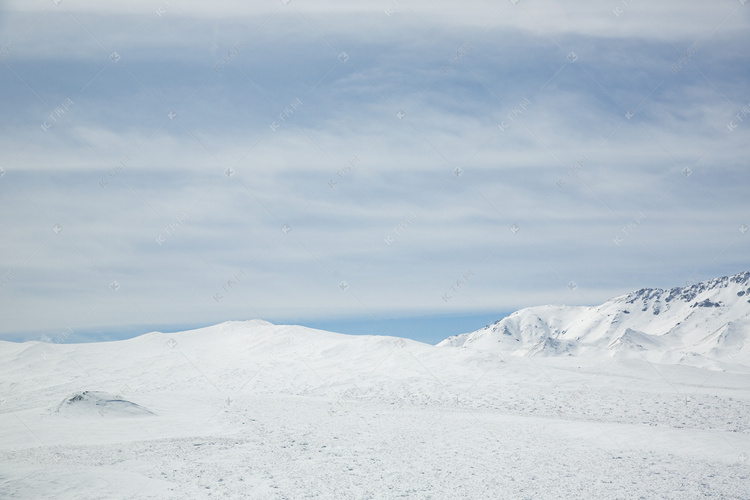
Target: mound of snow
[93,403]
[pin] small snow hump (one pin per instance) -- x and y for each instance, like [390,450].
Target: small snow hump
[95,403]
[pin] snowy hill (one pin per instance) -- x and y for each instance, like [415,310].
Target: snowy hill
[698,325]
[279,359]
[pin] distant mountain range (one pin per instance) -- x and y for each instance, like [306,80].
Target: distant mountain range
[697,324]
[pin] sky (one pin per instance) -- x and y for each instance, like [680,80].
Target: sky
[408,168]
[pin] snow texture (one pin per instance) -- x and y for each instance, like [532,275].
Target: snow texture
[551,402]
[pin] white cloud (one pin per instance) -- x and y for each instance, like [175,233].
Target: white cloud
[392,175]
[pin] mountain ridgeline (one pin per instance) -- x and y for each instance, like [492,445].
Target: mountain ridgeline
[698,325]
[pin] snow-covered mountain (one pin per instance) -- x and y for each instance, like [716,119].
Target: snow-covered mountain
[254,410]
[693,324]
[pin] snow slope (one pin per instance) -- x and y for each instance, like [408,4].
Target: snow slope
[704,324]
[255,410]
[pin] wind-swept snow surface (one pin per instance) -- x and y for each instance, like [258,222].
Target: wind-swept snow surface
[254,410]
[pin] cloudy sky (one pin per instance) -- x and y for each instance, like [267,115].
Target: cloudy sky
[392,166]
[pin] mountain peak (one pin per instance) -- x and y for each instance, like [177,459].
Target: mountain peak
[688,293]
[662,325]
